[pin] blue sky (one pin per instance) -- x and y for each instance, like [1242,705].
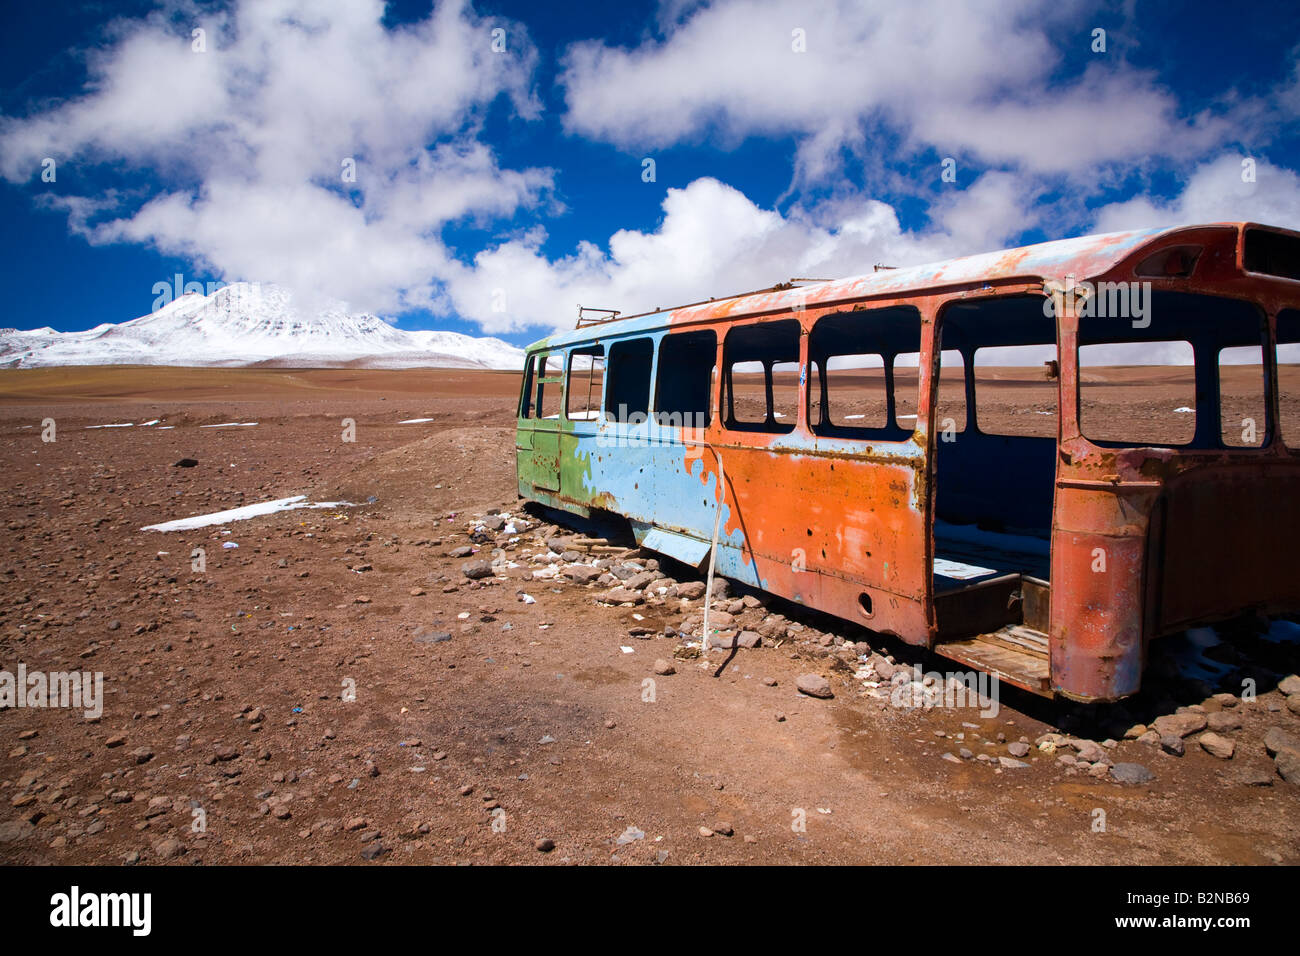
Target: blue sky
[497,188]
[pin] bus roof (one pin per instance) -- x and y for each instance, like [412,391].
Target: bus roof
[1081,257]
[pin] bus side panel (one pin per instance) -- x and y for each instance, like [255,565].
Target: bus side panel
[820,529]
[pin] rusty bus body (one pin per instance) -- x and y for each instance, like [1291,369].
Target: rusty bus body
[1096,548]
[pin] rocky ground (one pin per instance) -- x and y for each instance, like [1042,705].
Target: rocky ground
[436,674]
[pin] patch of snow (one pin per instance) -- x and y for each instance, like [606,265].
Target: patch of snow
[231,425]
[415,421]
[240,514]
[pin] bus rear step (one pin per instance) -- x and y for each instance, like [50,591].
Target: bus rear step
[1016,654]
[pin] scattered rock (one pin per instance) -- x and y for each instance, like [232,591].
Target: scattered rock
[1277,740]
[1216,745]
[1180,725]
[1225,721]
[664,668]
[168,849]
[1131,773]
[814,685]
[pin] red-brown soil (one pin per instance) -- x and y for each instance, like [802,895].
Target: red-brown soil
[226,687]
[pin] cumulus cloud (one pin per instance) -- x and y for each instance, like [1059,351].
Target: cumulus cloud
[714,240]
[242,147]
[250,140]
[963,79]
[1222,190]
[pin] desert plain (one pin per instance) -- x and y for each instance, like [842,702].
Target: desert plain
[332,687]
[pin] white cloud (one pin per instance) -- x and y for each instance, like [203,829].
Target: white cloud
[1214,192]
[714,241]
[260,124]
[964,79]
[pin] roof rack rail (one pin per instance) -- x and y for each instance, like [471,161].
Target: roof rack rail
[779,287]
[609,315]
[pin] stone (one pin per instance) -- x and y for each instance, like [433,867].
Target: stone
[1287,763]
[544,845]
[1289,685]
[814,685]
[1018,749]
[1089,750]
[1172,744]
[475,570]
[168,849]
[621,595]
[691,590]
[581,573]
[664,668]
[1180,725]
[1216,745]
[749,639]
[1131,773]
[1254,776]
[1277,740]
[1224,721]
[372,850]
[884,670]
[1011,763]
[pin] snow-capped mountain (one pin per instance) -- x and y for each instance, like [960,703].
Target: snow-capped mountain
[248,324]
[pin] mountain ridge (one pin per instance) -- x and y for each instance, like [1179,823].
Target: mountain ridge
[245,324]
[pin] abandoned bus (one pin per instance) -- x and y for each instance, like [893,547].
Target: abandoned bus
[1032,462]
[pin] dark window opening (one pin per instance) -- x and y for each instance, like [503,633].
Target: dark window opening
[1242,396]
[586,380]
[994,480]
[1171,376]
[542,387]
[761,383]
[854,392]
[1272,253]
[1016,390]
[854,386]
[687,366]
[627,386]
[1138,393]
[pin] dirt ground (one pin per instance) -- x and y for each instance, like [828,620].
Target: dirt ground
[336,690]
